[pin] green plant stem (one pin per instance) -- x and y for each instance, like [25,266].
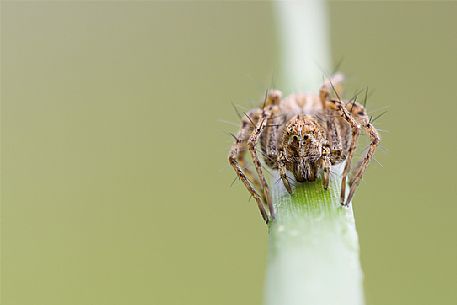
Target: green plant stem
[313,249]
[313,243]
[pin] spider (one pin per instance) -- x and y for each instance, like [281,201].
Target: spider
[304,134]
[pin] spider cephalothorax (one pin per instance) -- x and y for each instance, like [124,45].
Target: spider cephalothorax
[305,147]
[304,134]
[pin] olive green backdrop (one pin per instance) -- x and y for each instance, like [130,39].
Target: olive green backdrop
[115,184]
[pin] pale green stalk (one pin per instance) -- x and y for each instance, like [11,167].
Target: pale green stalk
[313,244]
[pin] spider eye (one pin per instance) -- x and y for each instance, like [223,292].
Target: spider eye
[305,137]
[295,138]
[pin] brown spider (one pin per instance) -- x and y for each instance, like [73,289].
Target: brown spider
[304,134]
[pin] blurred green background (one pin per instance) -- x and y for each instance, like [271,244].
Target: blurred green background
[115,184]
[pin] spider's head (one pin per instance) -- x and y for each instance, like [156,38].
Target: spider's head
[304,145]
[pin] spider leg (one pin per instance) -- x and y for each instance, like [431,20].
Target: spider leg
[326,165]
[282,171]
[247,171]
[333,83]
[359,112]
[236,157]
[375,139]
[338,106]
[259,128]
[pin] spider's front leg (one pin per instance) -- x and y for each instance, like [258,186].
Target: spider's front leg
[359,113]
[375,139]
[254,137]
[236,157]
[339,107]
